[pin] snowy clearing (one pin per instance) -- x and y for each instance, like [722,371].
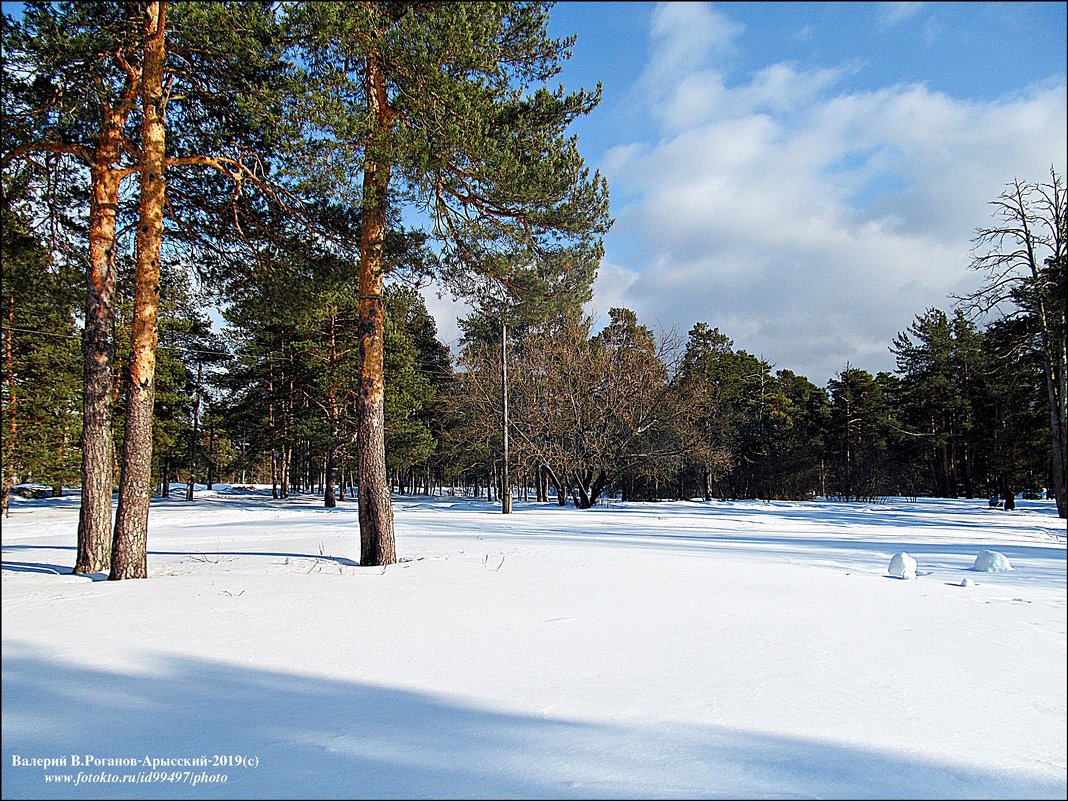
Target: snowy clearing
[686,650]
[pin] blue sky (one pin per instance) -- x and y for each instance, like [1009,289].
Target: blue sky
[808,177]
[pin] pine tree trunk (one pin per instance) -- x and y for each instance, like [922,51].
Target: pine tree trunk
[329,498]
[12,422]
[130,546]
[377,539]
[211,454]
[286,459]
[1055,388]
[196,432]
[506,486]
[98,354]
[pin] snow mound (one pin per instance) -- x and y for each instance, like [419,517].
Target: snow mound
[903,566]
[991,562]
[967,582]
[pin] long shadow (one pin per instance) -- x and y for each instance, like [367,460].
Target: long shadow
[47,568]
[653,538]
[254,503]
[325,738]
[930,513]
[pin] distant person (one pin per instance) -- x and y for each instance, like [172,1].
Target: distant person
[994,501]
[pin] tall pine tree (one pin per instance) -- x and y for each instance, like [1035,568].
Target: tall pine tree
[445,104]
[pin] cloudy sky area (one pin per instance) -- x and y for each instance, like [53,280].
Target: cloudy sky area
[808,176]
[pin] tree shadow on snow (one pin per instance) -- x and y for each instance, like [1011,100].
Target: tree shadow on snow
[321,738]
[43,567]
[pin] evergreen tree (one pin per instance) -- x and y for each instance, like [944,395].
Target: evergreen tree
[799,424]
[215,108]
[71,83]
[858,434]
[445,103]
[129,551]
[934,402]
[417,369]
[41,382]
[713,380]
[1014,451]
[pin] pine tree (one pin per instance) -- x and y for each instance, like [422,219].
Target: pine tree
[1010,408]
[219,86]
[934,405]
[41,381]
[707,381]
[71,83]
[445,101]
[129,558]
[416,367]
[858,433]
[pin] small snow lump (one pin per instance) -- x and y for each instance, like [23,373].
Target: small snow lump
[903,566]
[967,582]
[991,562]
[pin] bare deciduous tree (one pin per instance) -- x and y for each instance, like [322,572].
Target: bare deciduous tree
[1024,258]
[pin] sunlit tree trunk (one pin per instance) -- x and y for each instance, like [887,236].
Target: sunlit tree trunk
[98,354]
[377,540]
[130,547]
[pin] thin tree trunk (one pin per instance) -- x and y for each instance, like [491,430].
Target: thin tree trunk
[12,422]
[286,471]
[329,498]
[1056,390]
[506,488]
[211,453]
[130,546]
[196,432]
[377,539]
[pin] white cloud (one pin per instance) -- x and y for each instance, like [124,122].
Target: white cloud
[610,290]
[891,14]
[446,311]
[686,35]
[810,225]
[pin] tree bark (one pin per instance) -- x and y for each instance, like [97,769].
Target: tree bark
[98,355]
[377,538]
[12,427]
[211,451]
[506,488]
[196,433]
[329,498]
[130,546]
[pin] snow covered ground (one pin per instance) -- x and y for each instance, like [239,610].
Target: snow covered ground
[669,650]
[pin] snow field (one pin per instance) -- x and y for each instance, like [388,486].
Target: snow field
[743,650]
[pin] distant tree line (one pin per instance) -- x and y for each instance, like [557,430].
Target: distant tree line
[617,413]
